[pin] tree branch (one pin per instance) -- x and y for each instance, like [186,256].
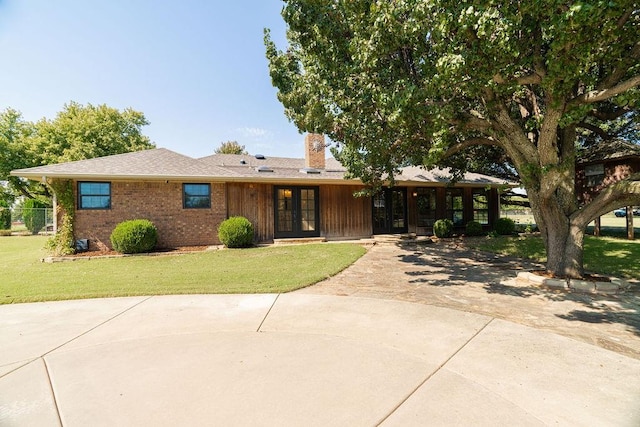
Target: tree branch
[529,79]
[595,129]
[469,143]
[622,193]
[609,115]
[604,94]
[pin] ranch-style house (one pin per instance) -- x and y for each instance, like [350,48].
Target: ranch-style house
[284,198]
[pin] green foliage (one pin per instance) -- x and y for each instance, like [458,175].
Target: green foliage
[443,228]
[34,215]
[16,152]
[505,226]
[236,232]
[78,132]
[83,132]
[473,228]
[134,236]
[5,216]
[509,85]
[231,147]
[63,241]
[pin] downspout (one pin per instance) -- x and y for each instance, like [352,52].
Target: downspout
[55,213]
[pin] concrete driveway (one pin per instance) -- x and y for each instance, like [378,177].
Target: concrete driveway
[303,359]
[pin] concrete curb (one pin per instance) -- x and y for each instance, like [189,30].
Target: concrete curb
[615,286]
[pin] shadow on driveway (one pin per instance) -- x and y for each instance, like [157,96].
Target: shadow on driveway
[451,275]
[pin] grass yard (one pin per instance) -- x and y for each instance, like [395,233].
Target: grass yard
[23,278]
[605,255]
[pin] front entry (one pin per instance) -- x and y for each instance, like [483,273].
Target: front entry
[297,212]
[390,211]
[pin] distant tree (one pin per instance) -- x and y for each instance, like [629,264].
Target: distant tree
[5,215]
[231,147]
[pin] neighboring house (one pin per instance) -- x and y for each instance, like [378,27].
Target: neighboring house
[188,198]
[603,165]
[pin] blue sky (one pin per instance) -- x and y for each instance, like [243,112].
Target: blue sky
[196,69]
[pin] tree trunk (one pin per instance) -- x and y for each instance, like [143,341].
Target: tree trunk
[563,238]
[564,251]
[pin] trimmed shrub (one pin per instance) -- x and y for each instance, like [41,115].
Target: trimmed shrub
[443,227]
[5,216]
[134,236]
[236,232]
[505,226]
[473,228]
[33,213]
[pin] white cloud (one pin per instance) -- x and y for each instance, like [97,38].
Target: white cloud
[256,133]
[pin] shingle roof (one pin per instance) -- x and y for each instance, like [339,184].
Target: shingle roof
[609,150]
[158,163]
[161,164]
[415,174]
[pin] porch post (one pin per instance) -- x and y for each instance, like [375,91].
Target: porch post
[630,222]
[55,213]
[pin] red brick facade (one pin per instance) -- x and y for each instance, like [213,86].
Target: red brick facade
[314,147]
[161,203]
[614,171]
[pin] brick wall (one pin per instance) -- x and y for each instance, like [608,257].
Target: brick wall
[159,202]
[614,171]
[314,151]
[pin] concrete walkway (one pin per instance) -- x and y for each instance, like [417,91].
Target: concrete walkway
[304,359]
[447,274]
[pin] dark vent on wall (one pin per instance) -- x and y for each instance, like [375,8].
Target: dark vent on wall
[265,169]
[243,162]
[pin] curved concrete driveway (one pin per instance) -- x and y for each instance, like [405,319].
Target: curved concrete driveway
[298,359]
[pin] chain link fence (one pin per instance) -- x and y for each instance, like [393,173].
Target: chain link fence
[28,221]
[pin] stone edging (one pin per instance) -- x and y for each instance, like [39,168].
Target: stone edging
[615,286]
[52,259]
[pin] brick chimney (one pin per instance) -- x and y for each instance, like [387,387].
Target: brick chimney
[314,151]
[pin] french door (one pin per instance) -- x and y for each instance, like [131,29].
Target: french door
[390,211]
[297,212]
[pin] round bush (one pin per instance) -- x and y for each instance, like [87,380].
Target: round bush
[505,226]
[134,236]
[443,227]
[236,232]
[473,228]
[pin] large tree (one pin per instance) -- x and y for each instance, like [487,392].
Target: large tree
[83,132]
[77,132]
[424,80]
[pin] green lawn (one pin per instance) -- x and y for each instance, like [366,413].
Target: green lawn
[24,278]
[606,255]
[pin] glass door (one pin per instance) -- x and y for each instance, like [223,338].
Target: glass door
[296,212]
[390,211]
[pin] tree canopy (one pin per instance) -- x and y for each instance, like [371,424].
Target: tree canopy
[231,147]
[425,81]
[77,132]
